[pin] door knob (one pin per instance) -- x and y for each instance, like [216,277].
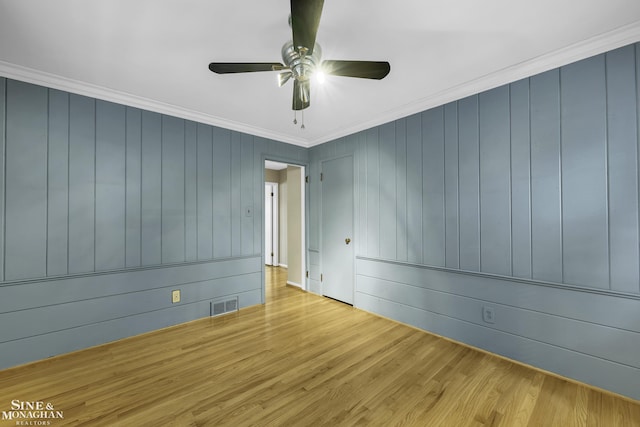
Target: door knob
[347,240]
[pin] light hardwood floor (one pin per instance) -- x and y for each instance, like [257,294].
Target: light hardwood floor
[303,360]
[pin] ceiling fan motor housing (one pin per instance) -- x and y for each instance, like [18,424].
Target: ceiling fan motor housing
[302,66]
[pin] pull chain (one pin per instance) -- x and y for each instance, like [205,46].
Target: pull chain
[295,118]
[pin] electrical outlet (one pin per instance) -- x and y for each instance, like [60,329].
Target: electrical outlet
[488,314]
[175,296]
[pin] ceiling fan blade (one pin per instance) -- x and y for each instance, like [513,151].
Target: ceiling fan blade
[301,95]
[244,67]
[362,69]
[305,18]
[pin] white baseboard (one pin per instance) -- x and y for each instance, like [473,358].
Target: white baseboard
[283,265]
[294,284]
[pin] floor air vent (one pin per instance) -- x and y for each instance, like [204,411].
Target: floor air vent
[231,305]
[224,306]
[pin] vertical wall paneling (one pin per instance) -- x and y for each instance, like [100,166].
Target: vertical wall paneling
[539,180]
[246,176]
[388,236]
[81,184]
[433,185]
[622,116]
[151,188]
[314,183]
[190,191]
[348,146]
[546,227]
[495,181]
[110,186]
[415,230]
[3,123]
[205,192]
[173,197]
[258,195]
[451,199]
[543,171]
[222,192]
[373,193]
[331,148]
[637,55]
[314,218]
[469,184]
[236,201]
[361,185]
[26,181]
[401,190]
[520,180]
[584,173]
[92,186]
[133,188]
[58,183]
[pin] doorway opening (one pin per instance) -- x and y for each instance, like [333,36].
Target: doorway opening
[285,220]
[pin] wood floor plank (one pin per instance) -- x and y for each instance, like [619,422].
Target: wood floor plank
[301,359]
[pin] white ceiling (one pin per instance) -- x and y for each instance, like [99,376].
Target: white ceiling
[154,54]
[268,164]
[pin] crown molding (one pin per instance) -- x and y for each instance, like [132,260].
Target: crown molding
[54,81]
[593,46]
[596,45]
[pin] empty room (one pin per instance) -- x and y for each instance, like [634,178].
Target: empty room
[314,212]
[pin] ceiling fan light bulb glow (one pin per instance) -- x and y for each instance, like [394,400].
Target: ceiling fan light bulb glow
[320,76]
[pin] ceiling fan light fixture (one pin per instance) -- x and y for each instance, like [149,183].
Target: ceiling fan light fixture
[300,64]
[302,57]
[304,93]
[283,78]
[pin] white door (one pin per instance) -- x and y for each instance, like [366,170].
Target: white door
[271,223]
[337,254]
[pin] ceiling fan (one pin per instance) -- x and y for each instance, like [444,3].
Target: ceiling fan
[302,57]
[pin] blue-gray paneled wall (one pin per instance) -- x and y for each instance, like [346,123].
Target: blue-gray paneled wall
[105,209]
[523,198]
